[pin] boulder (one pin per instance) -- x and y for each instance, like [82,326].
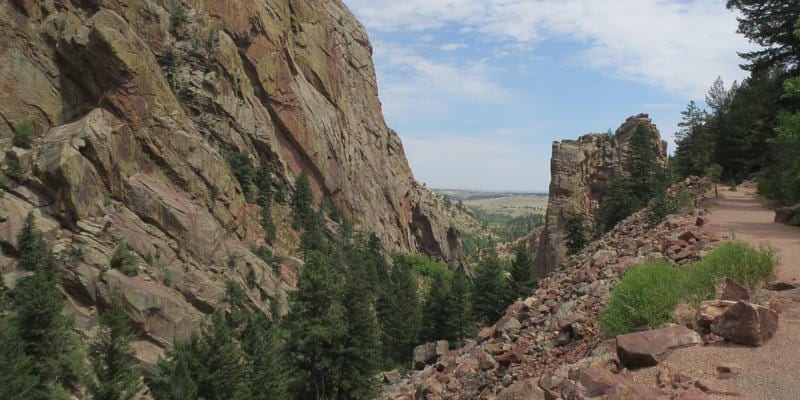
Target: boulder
[729,290]
[710,310]
[747,324]
[644,349]
[513,356]
[522,390]
[428,353]
[391,377]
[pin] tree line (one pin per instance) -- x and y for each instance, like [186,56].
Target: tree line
[355,312]
[752,128]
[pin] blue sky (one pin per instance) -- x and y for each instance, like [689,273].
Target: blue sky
[479,89]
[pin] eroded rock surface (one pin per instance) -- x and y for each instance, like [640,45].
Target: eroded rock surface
[579,174]
[134,106]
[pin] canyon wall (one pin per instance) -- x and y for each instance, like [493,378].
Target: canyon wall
[133,107]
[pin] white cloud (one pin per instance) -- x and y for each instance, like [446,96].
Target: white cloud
[414,83]
[678,45]
[490,162]
[453,46]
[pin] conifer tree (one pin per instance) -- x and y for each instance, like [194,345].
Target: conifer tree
[264,348]
[436,318]
[265,195]
[459,310]
[302,203]
[361,358]
[490,292]
[643,165]
[173,379]
[224,373]
[316,330]
[16,368]
[399,314]
[114,362]
[45,334]
[522,278]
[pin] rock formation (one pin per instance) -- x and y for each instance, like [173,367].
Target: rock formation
[580,171]
[134,105]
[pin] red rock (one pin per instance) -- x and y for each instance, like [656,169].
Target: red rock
[643,349]
[746,323]
[729,290]
[687,236]
[469,366]
[513,356]
[710,310]
[486,333]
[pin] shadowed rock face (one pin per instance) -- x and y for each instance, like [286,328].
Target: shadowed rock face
[134,105]
[580,171]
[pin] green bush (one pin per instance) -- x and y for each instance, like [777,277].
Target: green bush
[644,298]
[23,135]
[647,294]
[124,260]
[577,232]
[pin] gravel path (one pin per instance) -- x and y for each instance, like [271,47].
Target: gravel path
[771,372]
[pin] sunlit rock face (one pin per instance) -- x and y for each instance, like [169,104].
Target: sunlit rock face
[135,106]
[580,171]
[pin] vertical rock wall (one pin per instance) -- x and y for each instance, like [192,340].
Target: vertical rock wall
[580,171]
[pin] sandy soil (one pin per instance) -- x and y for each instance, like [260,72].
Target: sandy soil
[771,372]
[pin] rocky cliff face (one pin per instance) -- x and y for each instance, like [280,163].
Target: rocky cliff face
[133,107]
[580,171]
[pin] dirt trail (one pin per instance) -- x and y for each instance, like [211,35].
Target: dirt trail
[771,372]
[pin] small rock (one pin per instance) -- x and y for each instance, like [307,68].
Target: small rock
[729,290]
[391,377]
[709,311]
[747,324]
[783,286]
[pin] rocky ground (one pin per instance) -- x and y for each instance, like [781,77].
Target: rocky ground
[546,335]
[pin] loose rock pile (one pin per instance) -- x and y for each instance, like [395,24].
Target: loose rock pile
[554,334]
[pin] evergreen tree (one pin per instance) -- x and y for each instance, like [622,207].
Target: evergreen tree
[244,172]
[522,278]
[114,362]
[45,335]
[436,320]
[618,203]
[576,232]
[643,165]
[316,330]
[490,291]
[302,203]
[695,143]
[771,25]
[361,358]
[459,310]
[269,370]
[399,314]
[16,368]
[174,377]
[265,195]
[224,372]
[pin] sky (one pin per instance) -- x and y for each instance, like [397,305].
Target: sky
[479,89]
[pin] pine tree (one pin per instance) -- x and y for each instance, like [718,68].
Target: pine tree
[316,330]
[771,25]
[459,309]
[114,362]
[490,292]
[265,195]
[173,379]
[16,368]
[244,172]
[522,278]
[45,334]
[269,370]
[436,320]
[224,373]
[399,314]
[302,203]
[576,232]
[643,165]
[618,203]
[361,358]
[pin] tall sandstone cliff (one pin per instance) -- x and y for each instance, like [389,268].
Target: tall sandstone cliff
[134,105]
[579,174]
